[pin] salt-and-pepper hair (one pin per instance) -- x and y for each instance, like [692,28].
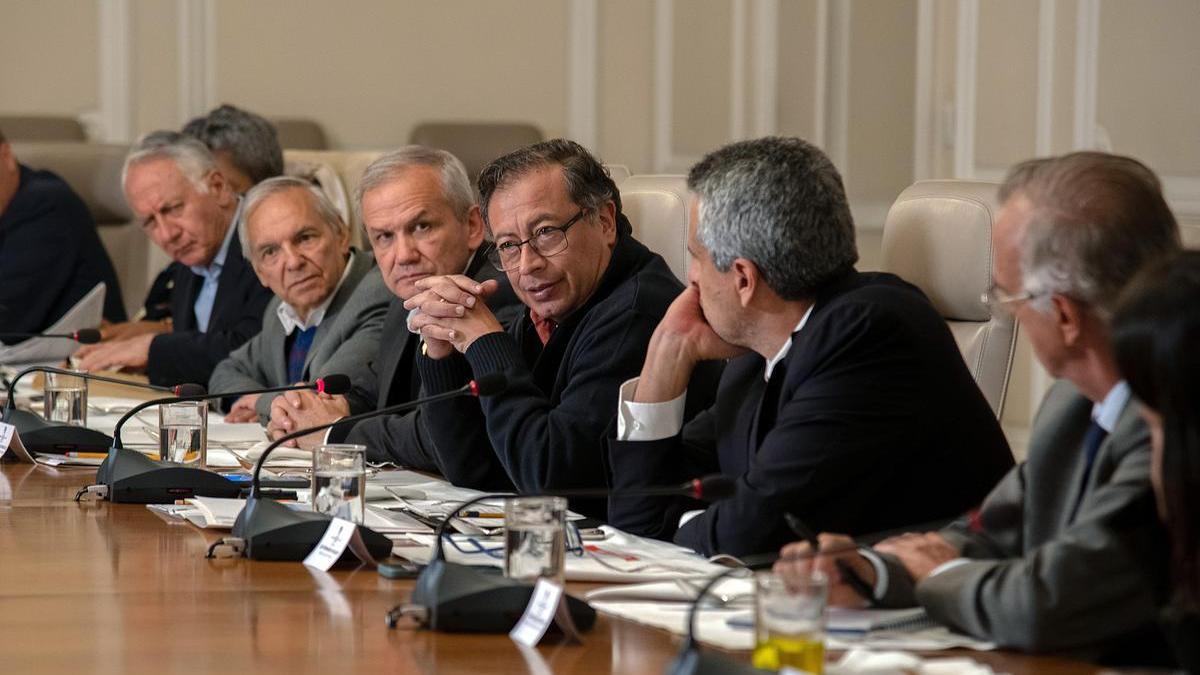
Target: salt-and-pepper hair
[779,203]
[455,183]
[273,186]
[1096,219]
[193,158]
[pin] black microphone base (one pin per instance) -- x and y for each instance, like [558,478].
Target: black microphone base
[272,531]
[464,599]
[38,435]
[133,478]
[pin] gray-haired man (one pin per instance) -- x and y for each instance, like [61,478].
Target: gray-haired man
[329,301]
[186,206]
[1066,552]
[421,220]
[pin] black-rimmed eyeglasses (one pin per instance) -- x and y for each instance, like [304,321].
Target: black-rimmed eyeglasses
[546,241]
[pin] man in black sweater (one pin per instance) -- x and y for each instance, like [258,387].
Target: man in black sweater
[594,295]
[846,400]
[50,253]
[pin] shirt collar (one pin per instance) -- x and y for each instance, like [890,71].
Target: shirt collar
[1106,412]
[774,360]
[290,318]
[213,269]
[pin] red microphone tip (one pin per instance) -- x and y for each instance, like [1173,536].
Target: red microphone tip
[474,388]
[975,520]
[320,385]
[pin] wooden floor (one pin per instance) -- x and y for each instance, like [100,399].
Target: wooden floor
[104,588]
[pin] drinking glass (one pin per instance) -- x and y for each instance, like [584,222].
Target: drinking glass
[534,538]
[789,622]
[64,398]
[339,482]
[183,432]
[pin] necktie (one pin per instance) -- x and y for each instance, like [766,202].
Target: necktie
[543,326]
[1091,444]
[298,354]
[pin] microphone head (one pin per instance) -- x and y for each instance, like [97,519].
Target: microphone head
[334,385]
[489,385]
[87,336]
[190,390]
[714,487]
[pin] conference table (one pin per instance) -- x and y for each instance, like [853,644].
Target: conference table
[94,587]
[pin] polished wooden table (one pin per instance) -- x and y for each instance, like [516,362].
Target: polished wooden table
[114,588]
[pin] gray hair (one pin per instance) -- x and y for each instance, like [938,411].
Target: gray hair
[251,141]
[191,156]
[273,186]
[587,181]
[1096,219]
[779,203]
[455,183]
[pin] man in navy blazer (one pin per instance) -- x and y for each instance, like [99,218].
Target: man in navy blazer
[186,206]
[845,401]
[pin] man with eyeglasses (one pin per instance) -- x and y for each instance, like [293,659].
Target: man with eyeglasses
[594,295]
[421,220]
[1066,554]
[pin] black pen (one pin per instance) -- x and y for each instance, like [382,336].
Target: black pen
[847,573]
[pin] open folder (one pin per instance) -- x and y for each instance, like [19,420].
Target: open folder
[84,314]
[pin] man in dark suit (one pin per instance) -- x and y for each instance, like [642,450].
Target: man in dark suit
[1066,554]
[846,400]
[50,253]
[421,219]
[594,295]
[186,207]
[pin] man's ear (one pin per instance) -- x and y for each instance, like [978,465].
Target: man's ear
[475,230]
[218,186]
[745,279]
[608,222]
[1070,317]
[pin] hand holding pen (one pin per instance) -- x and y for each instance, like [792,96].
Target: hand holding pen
[835,555]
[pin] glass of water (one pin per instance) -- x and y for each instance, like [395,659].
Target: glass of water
[534,538]
[339,482]
[789,622]
[183,432]
[64,398]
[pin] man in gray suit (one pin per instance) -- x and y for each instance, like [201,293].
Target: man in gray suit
[1066,554]
[329,302]
[421,218]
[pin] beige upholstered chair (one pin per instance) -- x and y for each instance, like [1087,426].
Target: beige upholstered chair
[1190,232]
[938,236]
[42,128]
[300,134]
[618,172]
[349,166]
[93,170]
[657,206]
[475,143]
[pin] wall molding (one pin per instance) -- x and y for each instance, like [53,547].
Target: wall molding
[583,73]
[965,74]
[925,94]
[821,75]
[1087,53]
[835,135]
[114,118]
[1044,129]
[766,67]
[196,27]
[737,69]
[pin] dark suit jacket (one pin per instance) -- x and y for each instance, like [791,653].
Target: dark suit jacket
[547,430]
[188,355]
[50,256]
[1042,580]
[878,424]
[393,379]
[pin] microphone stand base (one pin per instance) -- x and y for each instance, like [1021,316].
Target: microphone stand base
[273,531]
[38,435]
[133,478]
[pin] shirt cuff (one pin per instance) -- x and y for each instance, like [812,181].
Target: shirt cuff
[648,421]
[688,515]
[881,572]
[949,565]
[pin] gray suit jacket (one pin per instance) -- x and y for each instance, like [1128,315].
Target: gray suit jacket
[346,340]
[1040,579]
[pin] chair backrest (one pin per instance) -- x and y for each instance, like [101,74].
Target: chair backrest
[300,134]
[42,128]
[475,143]
[618,172]
[1190,233]
[657,207]
[938,236]
[93,170]
[349,167]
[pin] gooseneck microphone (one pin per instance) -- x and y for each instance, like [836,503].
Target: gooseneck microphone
[460,598]
[272,531]
[130,476]
[84,336]
[38,435]
[692,661]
